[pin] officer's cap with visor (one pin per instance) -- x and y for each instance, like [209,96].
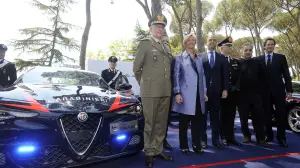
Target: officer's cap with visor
[3,48]
[158,19]
[113,59]
[226,42]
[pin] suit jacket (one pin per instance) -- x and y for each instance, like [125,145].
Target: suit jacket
[274,74]
[187,77]
[8,73]
[216,77]
[152,68]
[250,77]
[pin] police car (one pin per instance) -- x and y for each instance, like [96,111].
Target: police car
[61,117]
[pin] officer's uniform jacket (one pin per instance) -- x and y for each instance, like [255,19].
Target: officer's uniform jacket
[233,71]
[8,73]
[152,68]
[111,76]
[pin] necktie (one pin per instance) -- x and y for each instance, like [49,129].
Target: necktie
[212,59]
[269,60]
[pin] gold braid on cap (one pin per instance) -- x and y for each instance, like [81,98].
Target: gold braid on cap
[160,18]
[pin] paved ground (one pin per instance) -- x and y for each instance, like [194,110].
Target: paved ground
[248,156]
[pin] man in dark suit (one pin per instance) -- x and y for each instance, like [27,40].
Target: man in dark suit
[228,105]
[216,73]
[275,69]
[8,72]
[250,96]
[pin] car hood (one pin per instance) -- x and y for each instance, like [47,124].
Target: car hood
[58,98]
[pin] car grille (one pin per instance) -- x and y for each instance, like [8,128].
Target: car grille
[80,135]
[50,156]
[2,159]
[102,149]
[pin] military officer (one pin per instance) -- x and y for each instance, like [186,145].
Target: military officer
[111,74]
[228,105]
[152,70]
[8,72]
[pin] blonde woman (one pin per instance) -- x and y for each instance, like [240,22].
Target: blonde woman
[190,95]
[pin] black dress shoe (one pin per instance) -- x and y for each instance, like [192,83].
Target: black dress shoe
[283,143]
[269,139]
[185,151]
[224,142]
[234,142]
[197,149]
[262,143]
[149,161]
[218,145]
[204,145]
[164,156]
[167,145]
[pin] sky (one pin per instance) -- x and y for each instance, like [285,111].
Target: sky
[110,22]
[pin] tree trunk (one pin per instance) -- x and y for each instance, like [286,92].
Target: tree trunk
[85,35]
[254,41]
[145,7]
[189,5]
[179,24]
[54,36]
[199,19]
[156,7]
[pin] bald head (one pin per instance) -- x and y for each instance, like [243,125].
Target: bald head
[211,42]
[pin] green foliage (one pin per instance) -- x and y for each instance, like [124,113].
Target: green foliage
[226,15]
[120,49]
[183,11]
[99,56]
[238,45]
[175,44]
[47,42]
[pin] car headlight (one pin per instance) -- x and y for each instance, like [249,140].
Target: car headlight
[136,109]
[6,114]
[133,110]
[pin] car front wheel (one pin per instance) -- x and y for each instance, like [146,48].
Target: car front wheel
[293,119]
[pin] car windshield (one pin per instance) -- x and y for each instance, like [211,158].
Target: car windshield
[61,76]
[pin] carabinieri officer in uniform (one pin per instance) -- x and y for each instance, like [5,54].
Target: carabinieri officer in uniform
[229,105]
[8,72]
[111,74]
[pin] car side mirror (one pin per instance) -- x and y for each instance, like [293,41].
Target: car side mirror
[124,86]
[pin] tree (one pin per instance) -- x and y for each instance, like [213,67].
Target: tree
[226,15]
[199,21]
[238,44]
[99,56]
[85,35]
[185,16]
[47,42]
[120,49]
[256,16]
[292,7]
[287,41]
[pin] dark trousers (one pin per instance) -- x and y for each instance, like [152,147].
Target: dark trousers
[213,107]
[279,114]
[252,103]
[227,115]
[196,127]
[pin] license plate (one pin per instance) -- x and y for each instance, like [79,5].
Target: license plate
[119,127]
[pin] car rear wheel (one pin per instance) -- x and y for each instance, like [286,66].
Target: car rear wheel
[293,119]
